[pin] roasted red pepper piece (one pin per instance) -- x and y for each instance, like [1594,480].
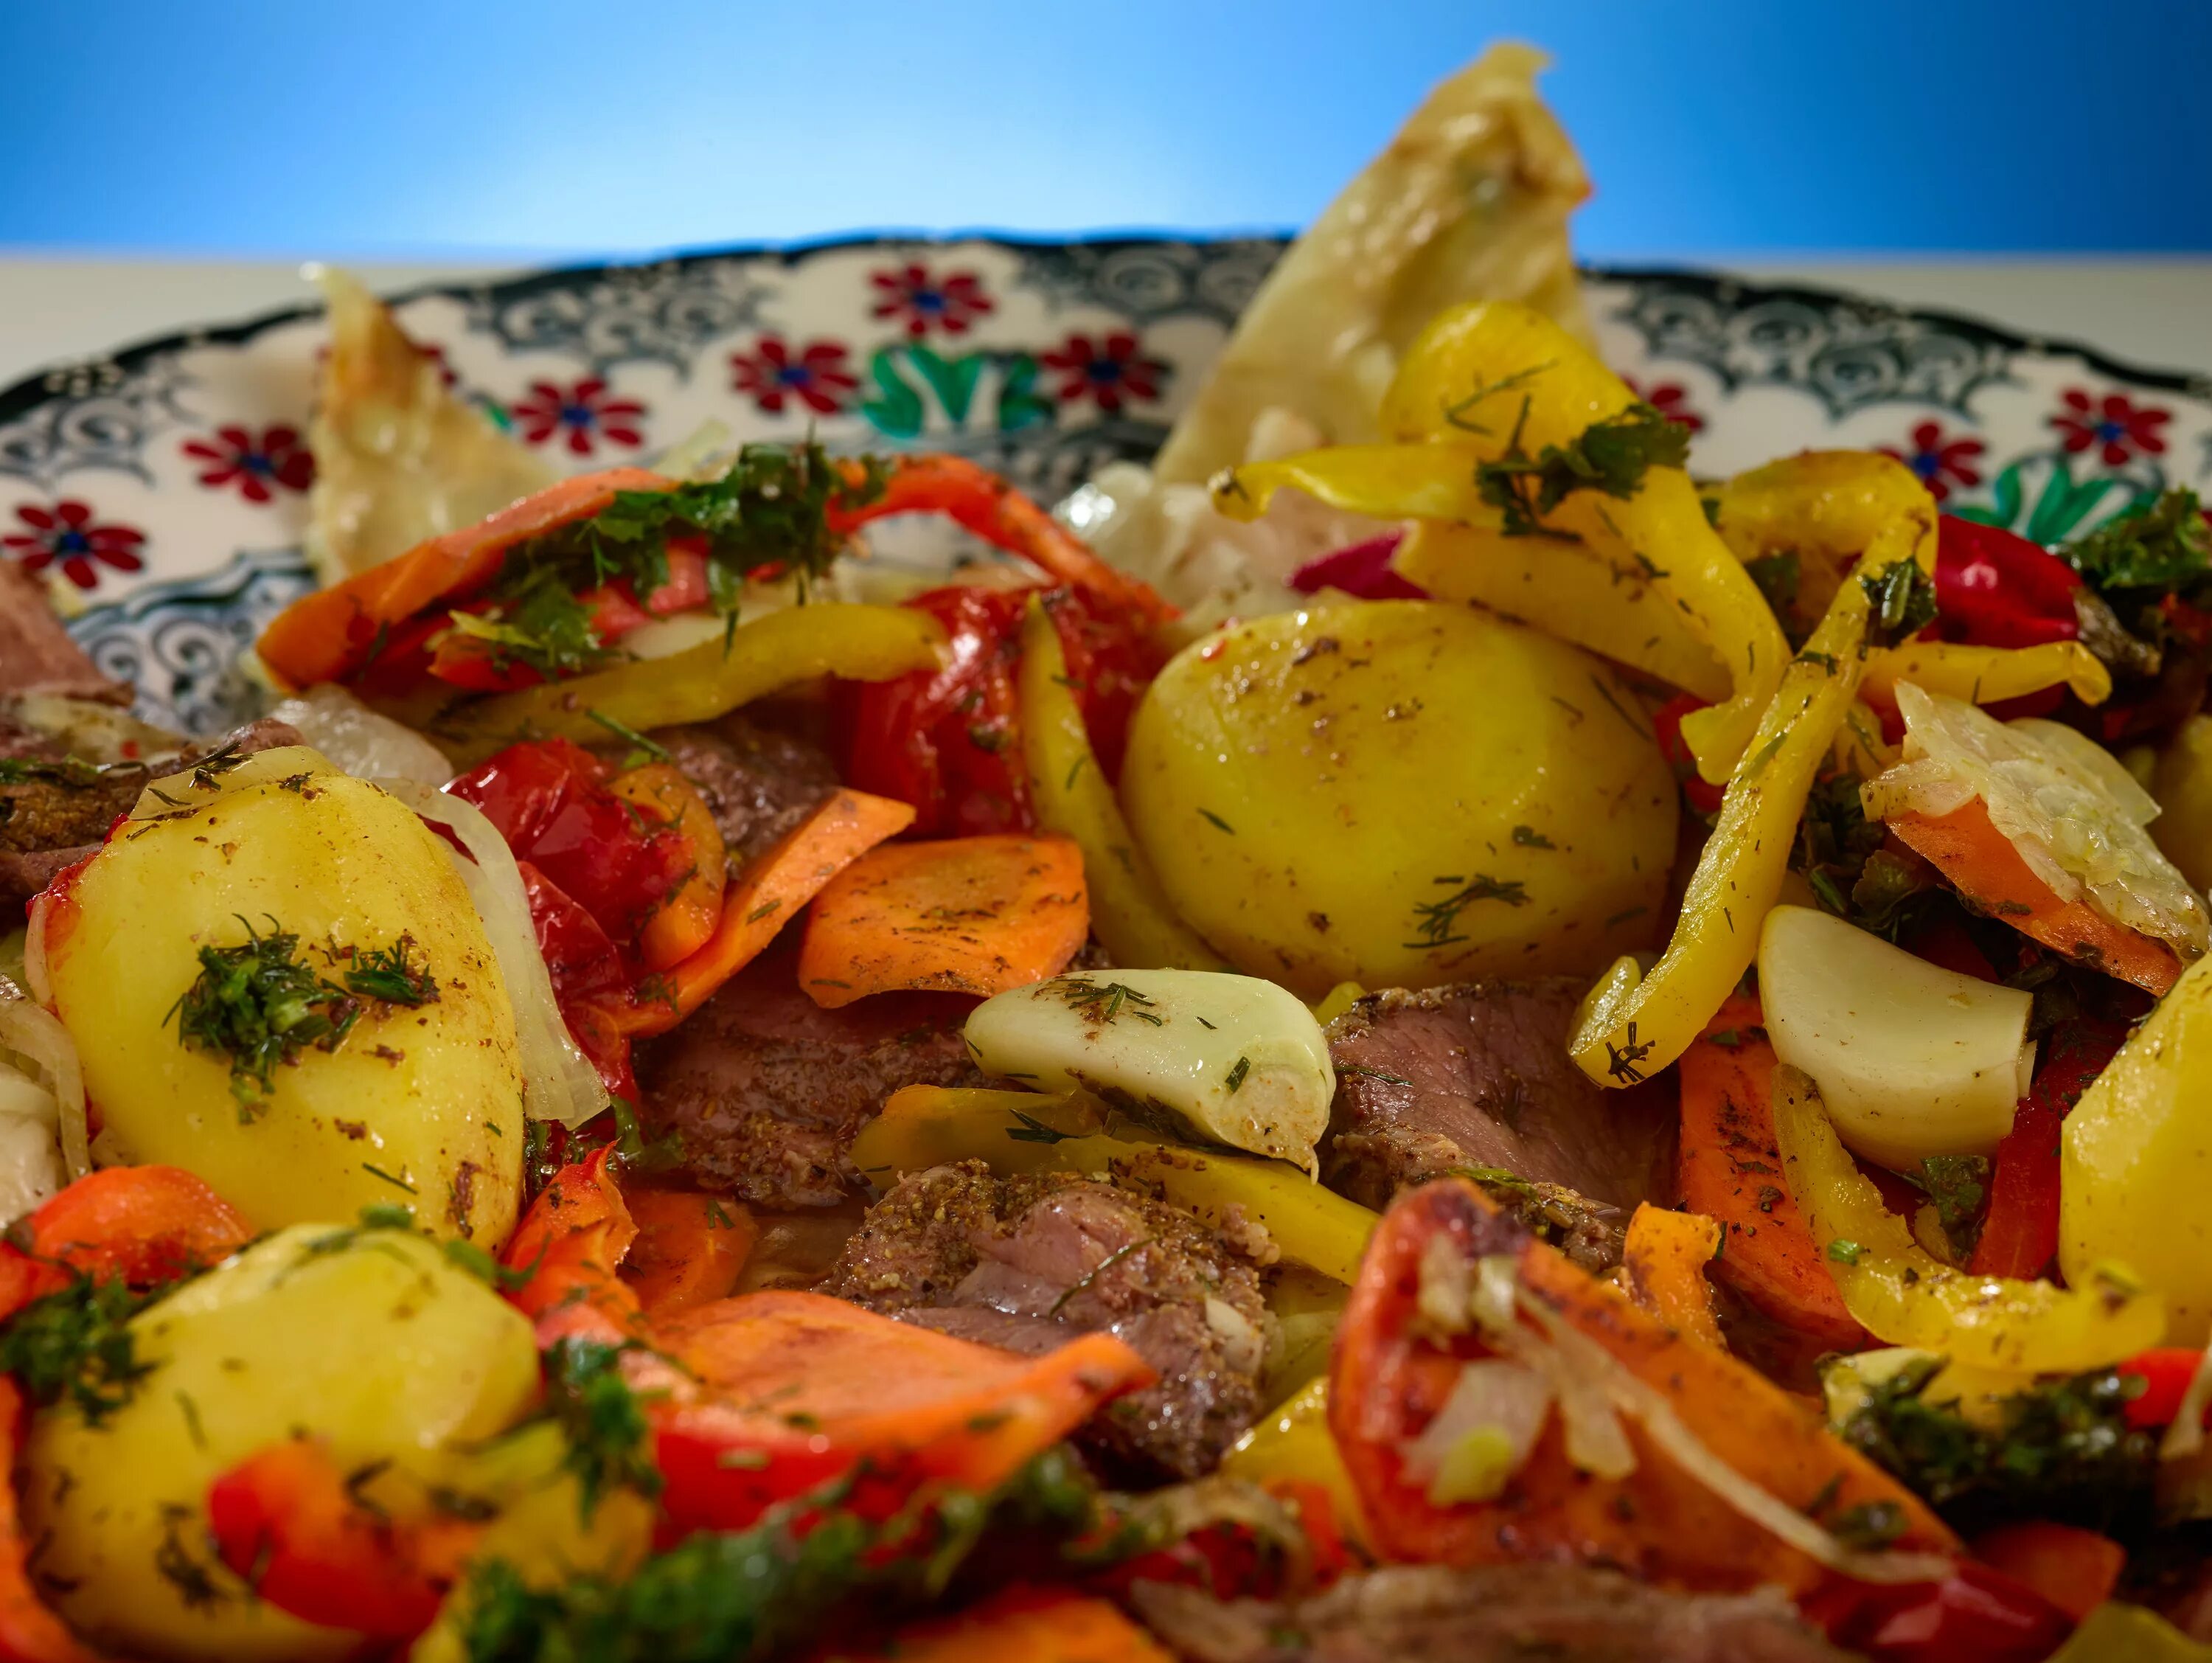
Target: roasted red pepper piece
[550,800]
[589,981]
[1363,570]
[2020,1232]
[1976,1615]
[1112,658]
[2165,1374]
[140,1225]
[1994,589]
[286,1518]
[1666,722]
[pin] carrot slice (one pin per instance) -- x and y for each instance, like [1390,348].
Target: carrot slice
[1025,1625]
[763,899]
[688,1249]
[1983,865]
[333,632]
[1729,1168]
[979,501]
[968,915]
[141,1225]
[29,1631]
[681,924]
[2075,1569]
[1666,1254]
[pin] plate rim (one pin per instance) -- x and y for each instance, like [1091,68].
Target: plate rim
[1722,285]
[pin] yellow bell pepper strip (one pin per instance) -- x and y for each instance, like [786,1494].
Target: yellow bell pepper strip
[775,651]
[1905,1297]
[1860,748]
[1021,1132]
[1294,1443]
[1130,913]
[1985,675]
[1565,590]
[1634,1023]
[1665,1255]
[1513,384]
[2116,1632]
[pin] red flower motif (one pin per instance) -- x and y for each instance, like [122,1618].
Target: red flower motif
[1109,372]
[2120,426]
[950,303]
[1941,463]
[255,466]
[66,536]
[1671,400]
[817,377]
[584,412]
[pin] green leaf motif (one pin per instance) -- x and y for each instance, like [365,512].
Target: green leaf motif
[1019,404]
[2063,504]
[896,412]
[952,380]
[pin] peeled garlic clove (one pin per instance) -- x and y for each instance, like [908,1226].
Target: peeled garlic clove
[1228,1059]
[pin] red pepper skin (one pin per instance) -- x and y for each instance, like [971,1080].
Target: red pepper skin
[549,801]
[1362,571]
[2020,1232]
[2165,1373]
[1666,722]
[1996,589]
[1976,1615]
[1111,659]
[589,980]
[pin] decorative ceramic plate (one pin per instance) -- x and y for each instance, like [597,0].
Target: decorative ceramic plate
[165,487]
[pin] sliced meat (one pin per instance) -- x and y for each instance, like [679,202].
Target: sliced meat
[36,653]
[1477,1078]
[767,1089]
[59,810]
[1491,1614]
[1023,1262]
[757,782]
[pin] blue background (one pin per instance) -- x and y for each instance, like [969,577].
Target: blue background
[410,128]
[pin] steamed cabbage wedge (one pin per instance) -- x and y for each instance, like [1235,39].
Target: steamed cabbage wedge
[397,457]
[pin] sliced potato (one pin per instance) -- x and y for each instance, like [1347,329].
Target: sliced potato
[419,1106]
[1400,794]
[372,1339]
[1912,1059]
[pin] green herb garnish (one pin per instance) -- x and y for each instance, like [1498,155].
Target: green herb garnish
[610,1442]
[2164,544]
[76,1344]
[1237,1074]
[1900,603]
[1435,921]
[1102,1003]
[257,1005]
[389,973]
[1611,456]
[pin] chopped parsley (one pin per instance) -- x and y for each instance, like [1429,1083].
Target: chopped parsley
[1611,456]
[1778,577]
[257,1005]
[610,1443]
[76,1345]
[2163,544]
[1958,1184]
[1900,603]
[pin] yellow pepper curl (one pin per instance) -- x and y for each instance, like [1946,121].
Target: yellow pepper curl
[1905,1297]
[1634,1023]
[1987,675]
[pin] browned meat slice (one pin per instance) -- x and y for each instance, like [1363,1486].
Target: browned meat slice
[758,782]
[1024,1263]
[767,1089]
[1491,1614]
[59,810]
[36,654]
[1477,1077]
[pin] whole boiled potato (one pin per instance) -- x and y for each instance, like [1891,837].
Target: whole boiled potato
[418,1105]
[371,1339]
[1401,793]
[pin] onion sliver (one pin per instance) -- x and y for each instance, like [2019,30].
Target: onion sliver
[558,1081]
[37,1035]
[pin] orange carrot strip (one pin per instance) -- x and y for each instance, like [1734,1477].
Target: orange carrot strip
[968,915]
[1729,1168]
[141,1225]
[1666,1254]
[683,924]
[763,899]
[331,632]
[2075,1569]
[1982,864]
[29,1631]
[571,1242]
[979,501]
[1025,1625]
[688,1249]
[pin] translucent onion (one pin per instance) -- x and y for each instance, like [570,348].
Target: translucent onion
[558,1081]
[2186,1436]
[1595,1441]
[36,1034]
[1510,1401]
[359,742]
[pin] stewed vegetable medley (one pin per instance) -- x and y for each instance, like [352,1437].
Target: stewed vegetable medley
[1422,1031]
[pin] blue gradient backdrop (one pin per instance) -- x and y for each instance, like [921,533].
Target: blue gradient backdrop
[439,127]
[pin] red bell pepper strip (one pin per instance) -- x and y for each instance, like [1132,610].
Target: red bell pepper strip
[1976,1615]
[29,1631]
[979,501]
[24,1280]
[1363,570]
[589,982]
[286,1518]
[1994,589]
[1666,722]
[2075,1569]
[2165,1373]
[2020,1232]
[567,1251]
[144,1225]
[333,633]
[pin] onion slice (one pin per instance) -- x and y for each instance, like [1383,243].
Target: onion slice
[558,1081]
[2186,1436]
[37,1035]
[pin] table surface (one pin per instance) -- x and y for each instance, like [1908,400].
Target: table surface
[2153,313]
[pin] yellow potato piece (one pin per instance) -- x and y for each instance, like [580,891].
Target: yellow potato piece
[419,1107]
[1400,794]
[371,1339]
